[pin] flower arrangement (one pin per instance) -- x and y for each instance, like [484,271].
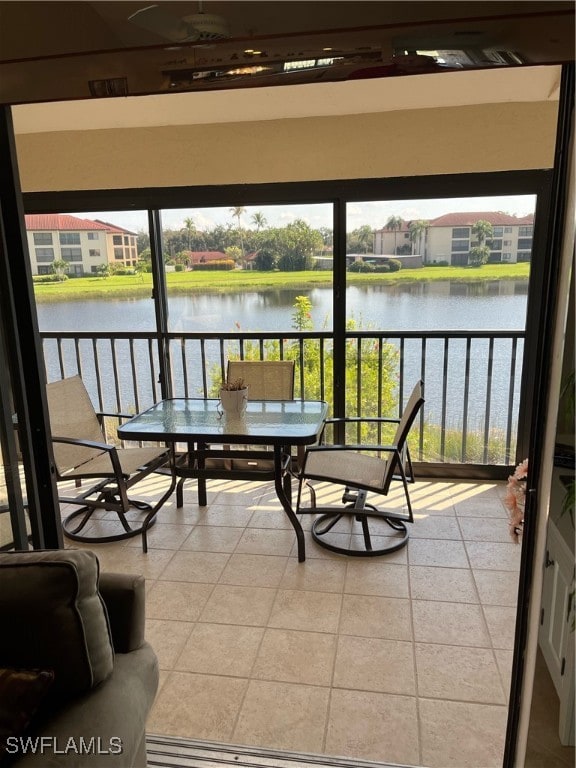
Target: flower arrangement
[515,499]
[233,386]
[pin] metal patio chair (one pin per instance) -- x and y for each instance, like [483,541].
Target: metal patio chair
[266,380]
[362,469]
[81,452]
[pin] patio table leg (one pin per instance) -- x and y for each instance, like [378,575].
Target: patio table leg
[284,497]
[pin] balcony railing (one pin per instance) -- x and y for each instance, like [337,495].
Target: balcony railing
[472,378]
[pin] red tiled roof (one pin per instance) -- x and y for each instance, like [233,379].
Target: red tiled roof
[115,228]
[469,218]
[60,221]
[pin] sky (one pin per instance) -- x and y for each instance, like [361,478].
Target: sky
[373,213]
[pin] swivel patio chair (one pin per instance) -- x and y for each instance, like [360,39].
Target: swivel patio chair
[81,452]
[362,469]
[266,380]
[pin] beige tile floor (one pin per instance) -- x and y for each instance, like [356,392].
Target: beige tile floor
[400,659]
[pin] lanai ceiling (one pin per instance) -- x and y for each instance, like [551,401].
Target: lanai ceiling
[52,51]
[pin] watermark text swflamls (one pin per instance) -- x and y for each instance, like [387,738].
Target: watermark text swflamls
[43,745]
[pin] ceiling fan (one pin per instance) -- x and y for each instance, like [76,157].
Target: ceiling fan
[197,27]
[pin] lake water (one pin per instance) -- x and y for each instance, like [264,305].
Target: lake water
[442,305]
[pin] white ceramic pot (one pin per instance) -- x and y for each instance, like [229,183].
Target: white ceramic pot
[234,401]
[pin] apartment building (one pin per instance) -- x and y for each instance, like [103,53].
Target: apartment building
[83,244]
[450,237]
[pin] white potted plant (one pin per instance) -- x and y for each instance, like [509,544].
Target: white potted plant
[233,397]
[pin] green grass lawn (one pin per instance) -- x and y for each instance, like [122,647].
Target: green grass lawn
[224,282]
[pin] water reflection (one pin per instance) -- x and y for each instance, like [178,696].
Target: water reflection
[441,305]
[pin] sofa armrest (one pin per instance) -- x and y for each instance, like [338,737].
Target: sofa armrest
[124,597]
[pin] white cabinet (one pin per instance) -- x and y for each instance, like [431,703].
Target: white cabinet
[557,635]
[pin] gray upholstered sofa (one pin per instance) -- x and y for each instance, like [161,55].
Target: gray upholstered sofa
[77,679]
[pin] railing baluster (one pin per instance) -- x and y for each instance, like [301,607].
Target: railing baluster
[98,374]
[444,396]
[60,358]
[465,401]
[152,368]
[78,361]
[204,372]
[508,449]
[423,378]
[134,377]
[116,377]
[488,398]
[184,366]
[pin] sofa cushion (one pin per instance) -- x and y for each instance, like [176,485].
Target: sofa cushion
[55,618]
[21,693]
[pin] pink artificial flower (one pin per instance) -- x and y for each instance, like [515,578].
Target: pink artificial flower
[515,499]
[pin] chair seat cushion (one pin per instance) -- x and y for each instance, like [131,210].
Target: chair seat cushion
[346,467]
[131,460]
[55,617]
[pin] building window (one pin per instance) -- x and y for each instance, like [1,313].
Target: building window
[71,254]
[75,269]
[126,240]
[69,238]
[44,270]
[524,256]
[524,243]
[497,231]
[525,231]
[461,232]
[42,238]
[507,230]
[44,254]
[95,252]
[496,245]
[506,256]
[117,239]
[463,245]
[93,235]
[118,254]
[507,242]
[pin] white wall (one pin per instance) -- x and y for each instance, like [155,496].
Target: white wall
[484,138]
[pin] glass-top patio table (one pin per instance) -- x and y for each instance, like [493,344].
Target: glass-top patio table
[281,424]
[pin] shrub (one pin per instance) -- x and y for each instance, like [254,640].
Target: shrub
[218,264]
[179,268]
[49,278]
[382,268]
[394,265]
[360,266]
[441,263]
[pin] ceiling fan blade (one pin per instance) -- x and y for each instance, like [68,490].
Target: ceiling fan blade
[154,19]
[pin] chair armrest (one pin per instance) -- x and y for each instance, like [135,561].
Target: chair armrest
[84,443]
[124,597]
[104,447]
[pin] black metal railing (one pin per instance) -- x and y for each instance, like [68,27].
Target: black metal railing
[472,378]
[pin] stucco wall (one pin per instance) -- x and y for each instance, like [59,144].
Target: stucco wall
[489,137]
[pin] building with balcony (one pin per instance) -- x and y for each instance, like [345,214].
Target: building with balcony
[449,238]
[84,245]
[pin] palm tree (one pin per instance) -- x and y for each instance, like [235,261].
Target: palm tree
[483,231]
[417,228]
[190,228]
[394,223]
[480,252]
[237,212]
[259,220]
